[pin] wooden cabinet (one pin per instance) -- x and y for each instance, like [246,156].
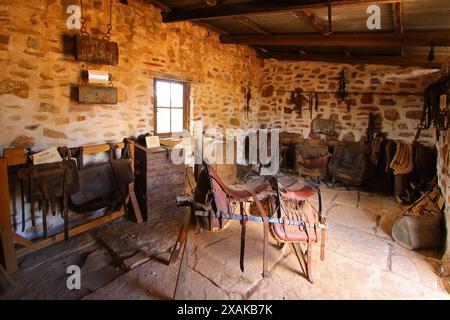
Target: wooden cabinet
[158,182]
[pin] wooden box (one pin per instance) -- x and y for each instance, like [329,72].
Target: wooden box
[158,182]
[97,94]
[97,51]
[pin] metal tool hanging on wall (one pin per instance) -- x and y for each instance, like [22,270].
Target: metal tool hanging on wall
[436,109]
[297,99]
[342,94]
[99,51]
[317,102]
[248,97]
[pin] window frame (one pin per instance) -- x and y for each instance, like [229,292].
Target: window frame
[185,106]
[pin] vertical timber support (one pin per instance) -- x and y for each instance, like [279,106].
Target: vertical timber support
[7,250]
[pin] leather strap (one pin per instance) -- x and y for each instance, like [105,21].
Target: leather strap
[243,231]
[322,244]
[22,199]
[266,232]
[126,151]
[112,151]
[44,201]
[79,157]
[65,209]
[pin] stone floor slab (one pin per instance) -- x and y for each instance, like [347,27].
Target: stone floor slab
[348,198]
[353,217]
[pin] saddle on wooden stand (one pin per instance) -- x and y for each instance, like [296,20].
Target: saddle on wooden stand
[102,185]
[49,183]
[290,218]
[297,222]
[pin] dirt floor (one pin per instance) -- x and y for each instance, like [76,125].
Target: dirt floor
[362,261]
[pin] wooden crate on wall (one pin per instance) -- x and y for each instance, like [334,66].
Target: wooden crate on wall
[158,182]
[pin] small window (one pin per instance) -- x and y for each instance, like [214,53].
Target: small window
[170,107]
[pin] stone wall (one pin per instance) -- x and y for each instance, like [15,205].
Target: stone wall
[39,69]
[393,94]
[444,183]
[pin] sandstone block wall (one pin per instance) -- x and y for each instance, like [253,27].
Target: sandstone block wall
[444,183]
[39,70]
[393,94]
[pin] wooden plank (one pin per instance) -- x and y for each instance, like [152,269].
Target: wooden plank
[353,59]
[397,11]
[23,241]
[134,204]
[257,7]
[101,148]
[72,232]
[344,40]
[13,152]
[7,250]
[309,17]
[253,25]
[14,156]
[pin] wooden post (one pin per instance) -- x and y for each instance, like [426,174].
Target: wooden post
[132,194]
[184,242]
[7,251]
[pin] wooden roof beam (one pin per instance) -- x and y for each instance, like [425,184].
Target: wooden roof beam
[360,59]
[165,9]
[253,25]
[345,40]
[257,7]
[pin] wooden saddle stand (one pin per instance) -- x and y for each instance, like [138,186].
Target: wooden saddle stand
[101,187]
[289,218]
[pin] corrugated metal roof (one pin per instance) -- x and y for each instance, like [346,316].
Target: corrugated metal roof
[283,23]
[426,14]
[193,4]
[418,15]
[231,25]
[387,51]
[354,19]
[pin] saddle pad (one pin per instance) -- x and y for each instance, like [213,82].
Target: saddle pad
[95,182]
[290,233]
[49,179]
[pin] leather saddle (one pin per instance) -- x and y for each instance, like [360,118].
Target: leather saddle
[350,165]
[49,183]
[403,161]
[293,205]
[312,160]
[104,185]
[212,195]
[216,195]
